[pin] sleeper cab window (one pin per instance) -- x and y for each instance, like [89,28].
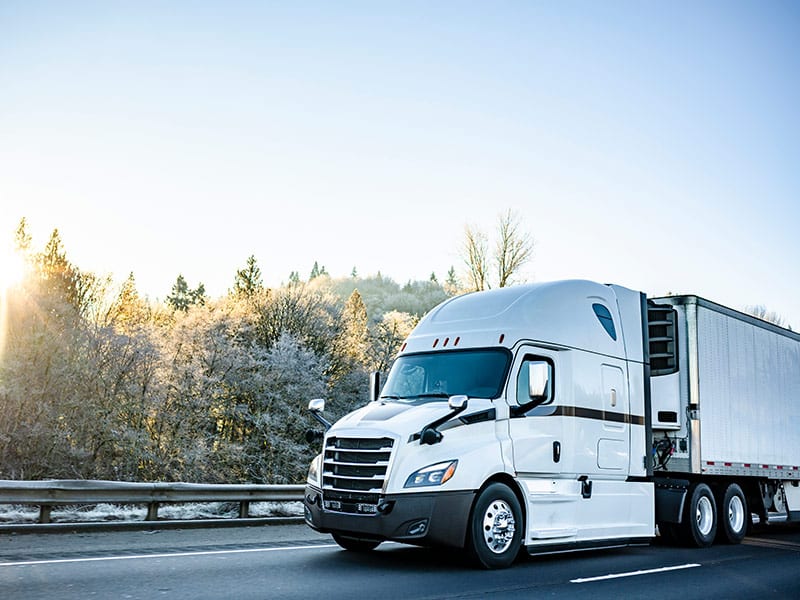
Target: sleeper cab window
[535,381]
[604,316]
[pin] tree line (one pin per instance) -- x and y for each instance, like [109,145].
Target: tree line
[97,381]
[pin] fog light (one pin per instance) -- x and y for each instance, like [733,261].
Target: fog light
[418,528]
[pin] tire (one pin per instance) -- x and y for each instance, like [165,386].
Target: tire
[355,544]
[699,525]
[733,514]
[495,528]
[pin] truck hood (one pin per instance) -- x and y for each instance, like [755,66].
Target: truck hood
[405,419]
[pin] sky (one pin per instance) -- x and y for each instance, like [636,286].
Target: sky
[651,144]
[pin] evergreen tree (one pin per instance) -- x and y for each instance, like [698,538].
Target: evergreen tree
[355,335]
[451,284]
[61,279]
[182,297]
[248,280]
[22,239]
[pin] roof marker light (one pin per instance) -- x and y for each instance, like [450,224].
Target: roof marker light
[456,342]
[502,337]
[445,342]
[436,341]
[403,347]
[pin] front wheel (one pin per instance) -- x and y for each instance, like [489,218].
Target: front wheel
[355,544]
[495,528]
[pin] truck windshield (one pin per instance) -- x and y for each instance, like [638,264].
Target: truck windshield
[436,375]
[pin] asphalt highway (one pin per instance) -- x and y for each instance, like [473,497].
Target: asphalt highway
[276,562]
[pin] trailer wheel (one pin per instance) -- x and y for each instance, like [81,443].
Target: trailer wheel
[355,544]
[699,526]
[495,528]
[733,515]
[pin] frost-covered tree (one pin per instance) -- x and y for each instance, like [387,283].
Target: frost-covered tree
[763,313]
[386,338]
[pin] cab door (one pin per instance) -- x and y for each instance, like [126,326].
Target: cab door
[536,428]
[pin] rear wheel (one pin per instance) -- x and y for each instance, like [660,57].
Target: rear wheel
[699,525]
[495,528]
[733,515]
[355,544]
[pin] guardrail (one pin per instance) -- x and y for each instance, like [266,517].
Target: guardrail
[47,494]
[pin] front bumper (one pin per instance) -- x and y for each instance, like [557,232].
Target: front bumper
[424,518]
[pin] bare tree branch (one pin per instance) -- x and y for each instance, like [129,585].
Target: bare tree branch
[474,254]
[513,249]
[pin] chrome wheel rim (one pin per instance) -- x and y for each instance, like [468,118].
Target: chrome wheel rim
[498,526]
[736,514]
[704,516]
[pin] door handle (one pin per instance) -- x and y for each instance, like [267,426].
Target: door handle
[556,451]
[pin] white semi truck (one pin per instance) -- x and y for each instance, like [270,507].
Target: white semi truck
[563,416]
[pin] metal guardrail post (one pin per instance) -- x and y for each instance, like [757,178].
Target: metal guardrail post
[152,512]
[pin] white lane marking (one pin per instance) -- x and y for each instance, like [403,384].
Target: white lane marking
[59,561]
[634,573]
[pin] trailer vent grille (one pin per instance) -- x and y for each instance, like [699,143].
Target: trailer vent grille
[354,471]
[661,329]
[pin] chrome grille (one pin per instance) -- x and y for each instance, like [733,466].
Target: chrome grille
[354,471]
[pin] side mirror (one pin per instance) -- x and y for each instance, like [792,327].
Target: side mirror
[315,407]
[458,402]
[540,387]
[539,380]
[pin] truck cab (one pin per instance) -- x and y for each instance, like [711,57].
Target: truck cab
[512,418]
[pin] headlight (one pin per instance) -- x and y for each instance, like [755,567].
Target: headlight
[315,470]
[432,475]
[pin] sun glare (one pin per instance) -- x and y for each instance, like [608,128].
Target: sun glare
[12,269]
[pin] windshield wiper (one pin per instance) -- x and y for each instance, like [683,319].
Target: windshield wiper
[390,398]
[432,395]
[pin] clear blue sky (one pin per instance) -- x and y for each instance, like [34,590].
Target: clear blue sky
[656,145]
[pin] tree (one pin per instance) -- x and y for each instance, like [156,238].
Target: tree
[182,297]
[61,279]
[512,249]
[760,311]
[451,284]
[386,337]
[248,280]
[354,336]
[474,253]
[316,271]
[22,239]
[128,310]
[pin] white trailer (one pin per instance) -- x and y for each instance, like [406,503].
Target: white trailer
[567,415]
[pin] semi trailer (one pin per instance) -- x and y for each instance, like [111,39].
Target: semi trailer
[567,415]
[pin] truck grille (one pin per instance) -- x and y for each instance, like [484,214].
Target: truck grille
[354,471]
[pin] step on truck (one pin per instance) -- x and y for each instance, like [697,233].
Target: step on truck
[563,416]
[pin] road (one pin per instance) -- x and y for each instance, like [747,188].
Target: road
[279,562]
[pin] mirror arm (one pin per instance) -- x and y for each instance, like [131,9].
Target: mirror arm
[523,409]
[431,435]
[321,420]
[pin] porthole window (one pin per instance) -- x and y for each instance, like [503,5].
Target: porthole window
[604,316]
